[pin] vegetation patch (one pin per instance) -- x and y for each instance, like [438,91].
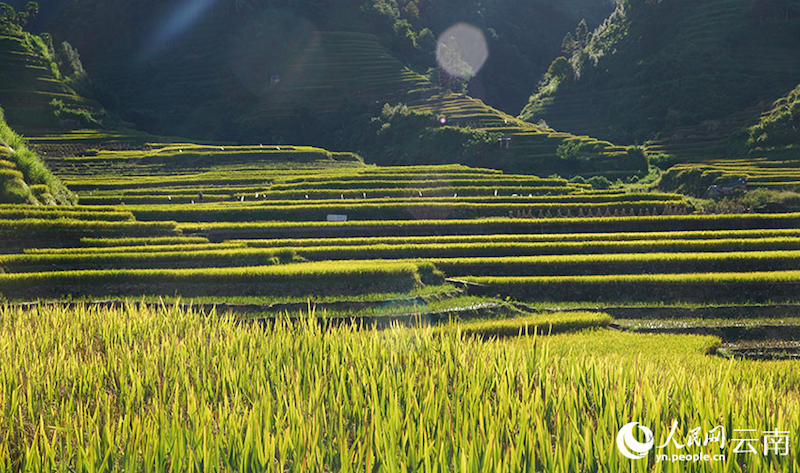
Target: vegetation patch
[542,324]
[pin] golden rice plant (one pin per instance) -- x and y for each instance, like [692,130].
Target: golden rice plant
[138,389]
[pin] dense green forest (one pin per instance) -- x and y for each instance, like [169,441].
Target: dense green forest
[657,66]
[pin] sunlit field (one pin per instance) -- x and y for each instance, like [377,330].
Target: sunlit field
[163,389]
[396,236]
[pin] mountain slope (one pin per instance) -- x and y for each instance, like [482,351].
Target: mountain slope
[23,175]
[522,35]
[283,75]
[34,92]
[654,67]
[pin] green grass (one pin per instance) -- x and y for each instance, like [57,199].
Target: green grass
[32,169]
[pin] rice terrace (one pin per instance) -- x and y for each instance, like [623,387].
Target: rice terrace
[400,235]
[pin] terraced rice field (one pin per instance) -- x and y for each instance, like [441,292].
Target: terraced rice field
[758,172]
[141,389]
[530,146]
[248,226]
[159,219]
[228,242]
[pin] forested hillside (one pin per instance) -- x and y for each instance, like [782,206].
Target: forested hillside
[673,67]
[206,60]
[43,84]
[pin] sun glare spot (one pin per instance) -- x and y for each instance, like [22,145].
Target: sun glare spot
[178,22]
[462,50]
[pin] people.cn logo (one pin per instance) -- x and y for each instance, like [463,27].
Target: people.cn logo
[630,447]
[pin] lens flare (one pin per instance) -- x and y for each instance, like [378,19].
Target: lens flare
[462,50]
[178,22]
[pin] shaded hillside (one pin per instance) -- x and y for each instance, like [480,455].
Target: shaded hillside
[778,129]
[523,35]
[519,146]
[23,176]
[275,76]
[659,67]
[39,84]
[766,154]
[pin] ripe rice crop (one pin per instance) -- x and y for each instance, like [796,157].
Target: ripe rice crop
[488,198]
[555,237]
[219,212]
[63,213]
[443,250]
[428,169]
[144,199]
[635,263]
[39,232]
[203,179]
[408,192]
[133,249]
[312,181]
[134,258]
[751,287]
[304,279]
[99,242]
[227,230]
[543,324]
[141,389]
[420,183]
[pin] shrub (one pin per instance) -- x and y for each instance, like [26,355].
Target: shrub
[561,69]
[599,182]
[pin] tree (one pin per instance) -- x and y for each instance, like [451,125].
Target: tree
[569,45]
[7,13]
[560,69]
[582,33]
[32,9]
